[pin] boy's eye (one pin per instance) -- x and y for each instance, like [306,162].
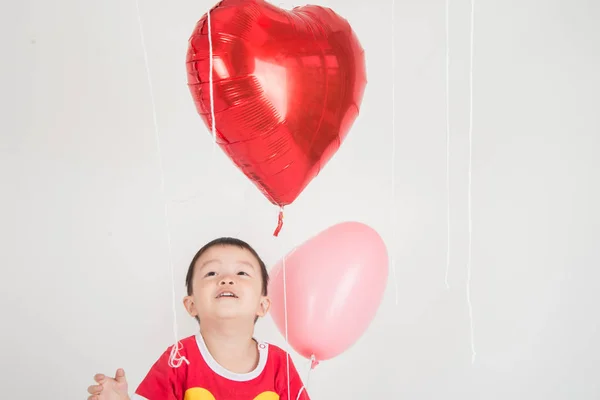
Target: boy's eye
[211,273]
[243,273]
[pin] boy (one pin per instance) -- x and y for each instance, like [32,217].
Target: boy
[227,292]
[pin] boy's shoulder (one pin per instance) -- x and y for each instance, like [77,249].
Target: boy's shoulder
[188,341]
[273,349]
[183,345]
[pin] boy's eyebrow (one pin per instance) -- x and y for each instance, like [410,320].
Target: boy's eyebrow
[209,262]
[247,263]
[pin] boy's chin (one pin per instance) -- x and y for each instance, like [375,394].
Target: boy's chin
[232,315]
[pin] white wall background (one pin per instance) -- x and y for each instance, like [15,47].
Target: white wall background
[85,279]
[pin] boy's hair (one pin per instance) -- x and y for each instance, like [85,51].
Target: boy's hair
[226,241]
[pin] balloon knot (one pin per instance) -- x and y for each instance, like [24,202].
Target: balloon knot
[176,359]
[279,223]
[313,362]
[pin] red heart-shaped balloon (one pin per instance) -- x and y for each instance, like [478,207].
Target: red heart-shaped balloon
[287,87]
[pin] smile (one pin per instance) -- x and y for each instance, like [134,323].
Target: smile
[226,294]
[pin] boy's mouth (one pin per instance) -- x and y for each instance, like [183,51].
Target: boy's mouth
[226,294]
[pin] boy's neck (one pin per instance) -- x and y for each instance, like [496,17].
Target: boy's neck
[231,344]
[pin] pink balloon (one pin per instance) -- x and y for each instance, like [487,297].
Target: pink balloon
[334,283]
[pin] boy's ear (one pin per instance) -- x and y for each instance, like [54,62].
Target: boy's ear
[188,303]
[265,305]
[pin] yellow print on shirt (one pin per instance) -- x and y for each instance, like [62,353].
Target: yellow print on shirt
[203,394]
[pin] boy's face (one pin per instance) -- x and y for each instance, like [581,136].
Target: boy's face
[227,284]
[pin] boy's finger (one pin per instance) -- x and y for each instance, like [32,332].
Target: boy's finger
[99,377]
[95,389]
[93,398]
[120,376]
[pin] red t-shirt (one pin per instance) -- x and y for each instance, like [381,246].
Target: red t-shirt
[205,379]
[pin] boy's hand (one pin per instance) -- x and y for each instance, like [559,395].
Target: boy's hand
[109,388]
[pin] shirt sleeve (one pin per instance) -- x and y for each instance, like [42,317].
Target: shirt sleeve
[297,390]
[161,382]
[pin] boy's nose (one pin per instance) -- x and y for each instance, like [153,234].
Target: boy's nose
[226,281]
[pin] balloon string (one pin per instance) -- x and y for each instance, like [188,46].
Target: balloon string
[473,353]
[312,364]
[393,258]
[447,143]
[285,318]
[212,108]
[279,223]
[175,360]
